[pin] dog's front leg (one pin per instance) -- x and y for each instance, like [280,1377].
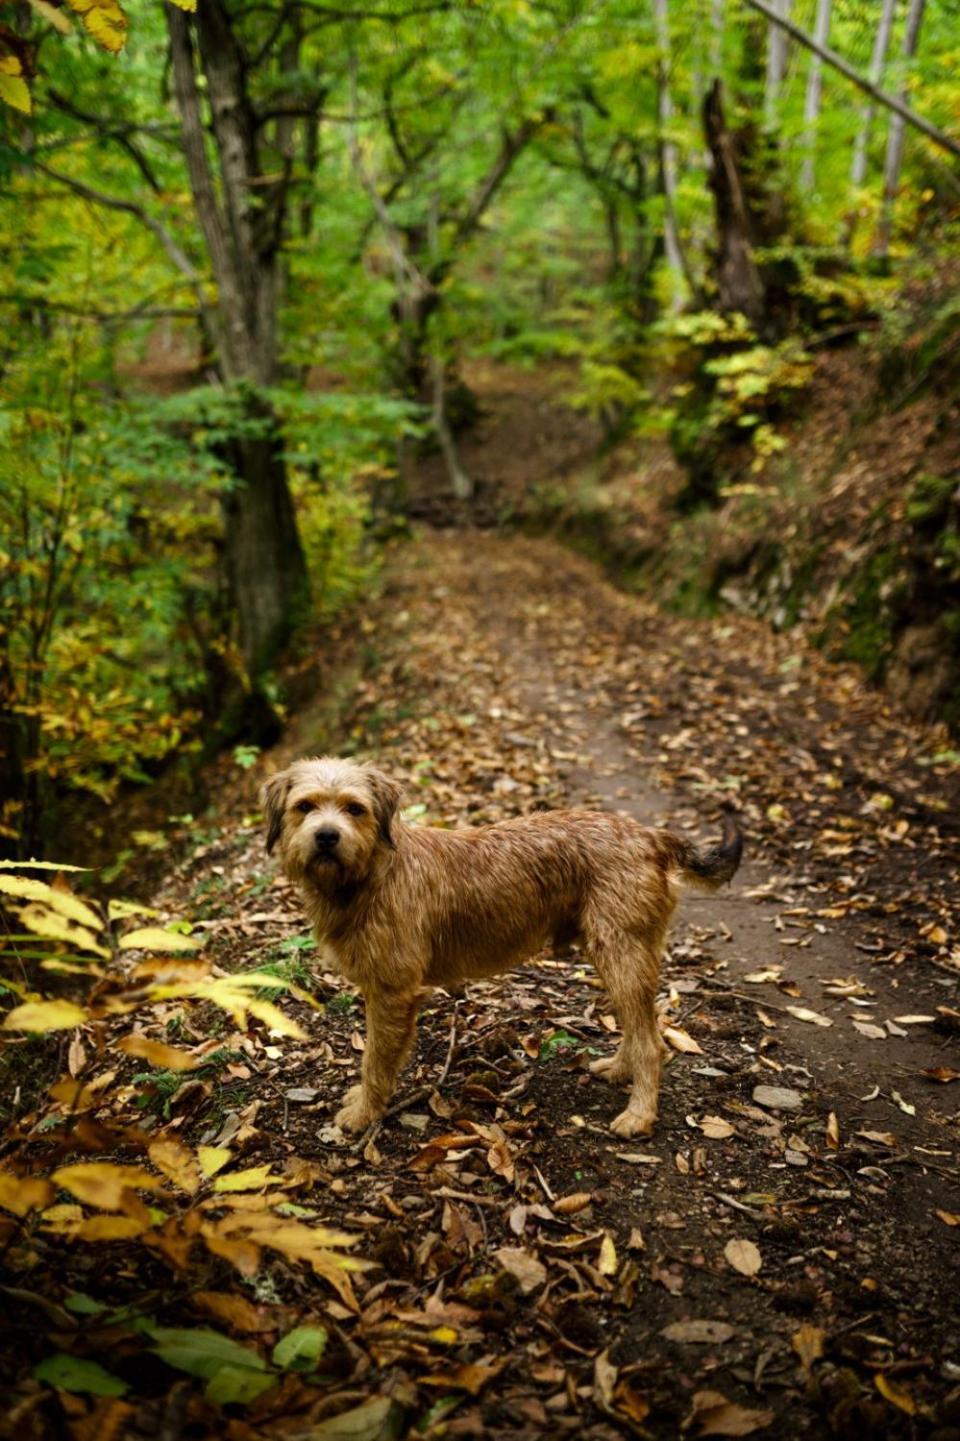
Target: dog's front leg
[391,1021]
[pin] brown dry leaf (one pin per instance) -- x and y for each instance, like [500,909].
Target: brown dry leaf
[103,1183]
[943,1074]
[604,1379]
[879,1138]
[813,1018]
[636,1241]
[744,1256]
[500,1160]
[524,1266]
[471,1378]
[717,1416]
[76,1055]
[681,1041]
[716,1128]
[570,1205]
[833,1131]
[631,1403]
[167,1058]
[21,1194]
[698,1333]
[949,1218]
[371,1421]
[896,1394]
[235,1311]
[808,1341]
[177,1162]
[241,1253]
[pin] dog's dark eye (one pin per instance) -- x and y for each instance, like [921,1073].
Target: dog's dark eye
[354,809]
[304,806]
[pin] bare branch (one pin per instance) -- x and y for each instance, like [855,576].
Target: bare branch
[127,207]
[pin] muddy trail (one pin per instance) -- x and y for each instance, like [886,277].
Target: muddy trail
[781,1257]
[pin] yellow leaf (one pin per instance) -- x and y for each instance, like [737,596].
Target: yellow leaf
[168,1058]
[249,1180]
[104,21]
[56,17]
[108,1228]
[235,1311]
[155,938]
[177,1162]
[63,902]
[44,1016]
[21,1194]
[212,1159]
[898,1396]
[808,1344]
[102,1183]
[52,927]
[274,1018]
[123,910]
[13,87]
[607,1262]
[188,5]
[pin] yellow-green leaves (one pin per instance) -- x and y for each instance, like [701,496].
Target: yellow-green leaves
[14,89]
[154,938]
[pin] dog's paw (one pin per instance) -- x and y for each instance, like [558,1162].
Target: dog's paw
[611,1068]
[633,1123]
[354,1114]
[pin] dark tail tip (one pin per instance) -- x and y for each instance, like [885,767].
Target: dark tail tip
[719,864]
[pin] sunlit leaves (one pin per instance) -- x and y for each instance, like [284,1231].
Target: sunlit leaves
[14,89]
[21,1194]
[104,1183]
[40,1016]
[153,938]
[104,21]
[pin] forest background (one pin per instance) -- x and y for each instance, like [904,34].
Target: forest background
[253,257]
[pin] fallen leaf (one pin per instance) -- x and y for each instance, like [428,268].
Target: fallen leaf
[41,1016]
[896,1394]
[716,1128]
[744,1256]
[808,1344]
[943,1074]
[607,1260]
[879,1138]
[777,1098]
[177,1162]
[949,1218]
[103,1183]
[833,1131]
[373,1421]
[813,1018]
[868,1029]
[698,1333]
[523,1265]
[470,1377]
[166,1058]
[604,1378]
[717,1416]
[249,1180]
[570,1205]
[680,1041]
[21,1194]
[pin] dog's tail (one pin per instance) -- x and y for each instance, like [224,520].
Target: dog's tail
[717,865]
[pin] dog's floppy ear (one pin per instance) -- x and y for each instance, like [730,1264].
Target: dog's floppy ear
[387,795]
[273,798]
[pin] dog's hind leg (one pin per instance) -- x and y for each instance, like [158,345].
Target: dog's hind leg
[391,1023]
[630,971]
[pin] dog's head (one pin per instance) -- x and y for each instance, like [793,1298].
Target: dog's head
[330,818]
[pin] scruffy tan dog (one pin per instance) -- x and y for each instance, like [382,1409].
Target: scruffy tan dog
[397,907]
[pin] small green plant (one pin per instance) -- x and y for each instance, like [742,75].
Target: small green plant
[560,1043]
[343,1002]
[245,756]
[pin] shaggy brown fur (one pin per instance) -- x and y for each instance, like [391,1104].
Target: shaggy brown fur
[397,907]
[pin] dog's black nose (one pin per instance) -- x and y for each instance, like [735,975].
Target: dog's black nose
[326,839]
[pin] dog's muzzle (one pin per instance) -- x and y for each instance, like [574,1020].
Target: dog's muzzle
[326,841]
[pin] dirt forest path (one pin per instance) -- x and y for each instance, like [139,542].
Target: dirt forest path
[781,1258]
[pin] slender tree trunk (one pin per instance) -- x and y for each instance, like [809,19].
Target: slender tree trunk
[895,137]
[881,44]
[777,52]
[242,223]
[811,108]
[667,150]
[739,283]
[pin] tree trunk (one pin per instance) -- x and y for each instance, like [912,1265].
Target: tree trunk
[811,107]
[881,44]
[777,51]
[739,283]
[242,224]
[667,150]
[895,137]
